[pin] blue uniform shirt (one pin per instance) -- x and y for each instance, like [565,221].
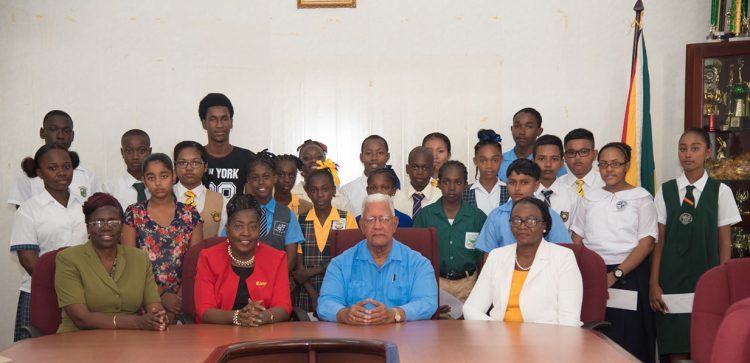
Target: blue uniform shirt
[496,230]
[510,156]
[406,280]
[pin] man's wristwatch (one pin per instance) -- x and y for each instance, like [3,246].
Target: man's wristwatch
[397,316]
[618,273]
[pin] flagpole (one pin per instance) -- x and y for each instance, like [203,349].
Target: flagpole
[638,8]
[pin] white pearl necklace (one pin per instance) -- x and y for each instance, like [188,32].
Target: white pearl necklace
[521,267]
[240,263]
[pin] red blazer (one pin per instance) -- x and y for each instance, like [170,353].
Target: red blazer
[216,283]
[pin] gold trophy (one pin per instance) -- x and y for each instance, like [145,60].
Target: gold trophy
[741,197]
[721,153]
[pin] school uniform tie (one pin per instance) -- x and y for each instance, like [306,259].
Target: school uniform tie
[546,194]
[417,198]
[263,228]
[689,200]
[141,189]
[579,187]
[190,199]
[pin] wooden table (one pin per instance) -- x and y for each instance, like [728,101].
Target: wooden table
[422,341]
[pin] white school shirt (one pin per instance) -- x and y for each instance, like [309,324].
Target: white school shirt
[611,224]
[404,202]
[728,214]
[200,201]
[592,180]
[122,189]
[339,201]
[564,200]
[42,224]
[84,184]
[356,191]
[487,201]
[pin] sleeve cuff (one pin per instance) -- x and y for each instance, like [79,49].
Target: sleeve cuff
[27,247]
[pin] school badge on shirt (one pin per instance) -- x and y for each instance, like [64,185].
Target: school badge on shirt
[564,216]
[216,216]
[83,191]
[279,228]
[339,224]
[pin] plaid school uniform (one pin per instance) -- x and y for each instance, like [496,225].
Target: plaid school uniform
[312,256]
[469,196]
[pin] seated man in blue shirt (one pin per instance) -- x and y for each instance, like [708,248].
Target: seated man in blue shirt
[523,181]
[379,280]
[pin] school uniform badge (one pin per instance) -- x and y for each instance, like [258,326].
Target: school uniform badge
[83,191]
[686,218]
[279,228]
[216,216]
[564,216]
[621,204]
[339,224]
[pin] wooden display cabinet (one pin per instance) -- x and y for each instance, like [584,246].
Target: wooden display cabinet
[717,99]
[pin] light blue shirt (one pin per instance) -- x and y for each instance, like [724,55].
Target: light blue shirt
[496,230]
[293,232]
[510,156]
[406,280]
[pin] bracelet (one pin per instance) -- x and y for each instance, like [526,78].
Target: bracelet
[114,321]
[236,318]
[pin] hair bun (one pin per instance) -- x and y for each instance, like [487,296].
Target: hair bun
[29,167]
[488,135]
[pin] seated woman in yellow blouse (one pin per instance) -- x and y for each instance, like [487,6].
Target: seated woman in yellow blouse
[532,280]
[103,284]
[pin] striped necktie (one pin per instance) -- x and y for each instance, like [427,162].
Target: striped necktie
[262,223]
[417,198]
[689,199]
[579,187]
[190,199]
[546,194]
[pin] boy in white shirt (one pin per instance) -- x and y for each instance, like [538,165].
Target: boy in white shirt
[373,155]
[57,128]
[548,154]
[128,188]
[580,153]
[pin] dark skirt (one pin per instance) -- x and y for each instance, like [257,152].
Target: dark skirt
[635,331]
[22,316]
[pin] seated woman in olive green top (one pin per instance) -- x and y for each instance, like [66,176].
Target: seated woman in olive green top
[103,284]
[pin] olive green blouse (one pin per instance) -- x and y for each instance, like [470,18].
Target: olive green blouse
[80,278]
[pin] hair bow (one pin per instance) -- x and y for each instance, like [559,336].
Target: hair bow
[332,167]
[491,137]
[398,182]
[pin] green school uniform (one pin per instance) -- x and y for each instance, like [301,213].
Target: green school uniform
[690,250]
[455,241]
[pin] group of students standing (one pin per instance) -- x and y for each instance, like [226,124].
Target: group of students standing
[650,245]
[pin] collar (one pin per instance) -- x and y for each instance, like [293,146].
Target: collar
[510,155]
[478,185]
[427,191]
[46,198]
[270,205]
[363,252]
[508,206]
[180,189]
[699,184]
[590,177]
[438,210]
[312,217]
[129,180]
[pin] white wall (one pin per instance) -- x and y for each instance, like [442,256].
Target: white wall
[397,68]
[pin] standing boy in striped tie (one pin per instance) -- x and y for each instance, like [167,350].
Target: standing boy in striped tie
[548,154]
[418,193]
[580,153]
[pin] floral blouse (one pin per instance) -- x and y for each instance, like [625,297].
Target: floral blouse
[166,247]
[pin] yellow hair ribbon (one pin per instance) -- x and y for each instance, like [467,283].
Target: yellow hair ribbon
[332,167]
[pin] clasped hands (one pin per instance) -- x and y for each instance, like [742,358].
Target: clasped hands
[253,314]
[357,314]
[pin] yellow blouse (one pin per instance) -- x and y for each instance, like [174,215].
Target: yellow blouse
[513,311]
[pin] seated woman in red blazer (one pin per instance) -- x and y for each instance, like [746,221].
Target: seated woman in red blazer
[242,282]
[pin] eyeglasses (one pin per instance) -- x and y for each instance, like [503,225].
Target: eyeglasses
[614,164]
[182,164]
[530,222]
[383,220]
[239,227]
[110,223]
[582,152]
